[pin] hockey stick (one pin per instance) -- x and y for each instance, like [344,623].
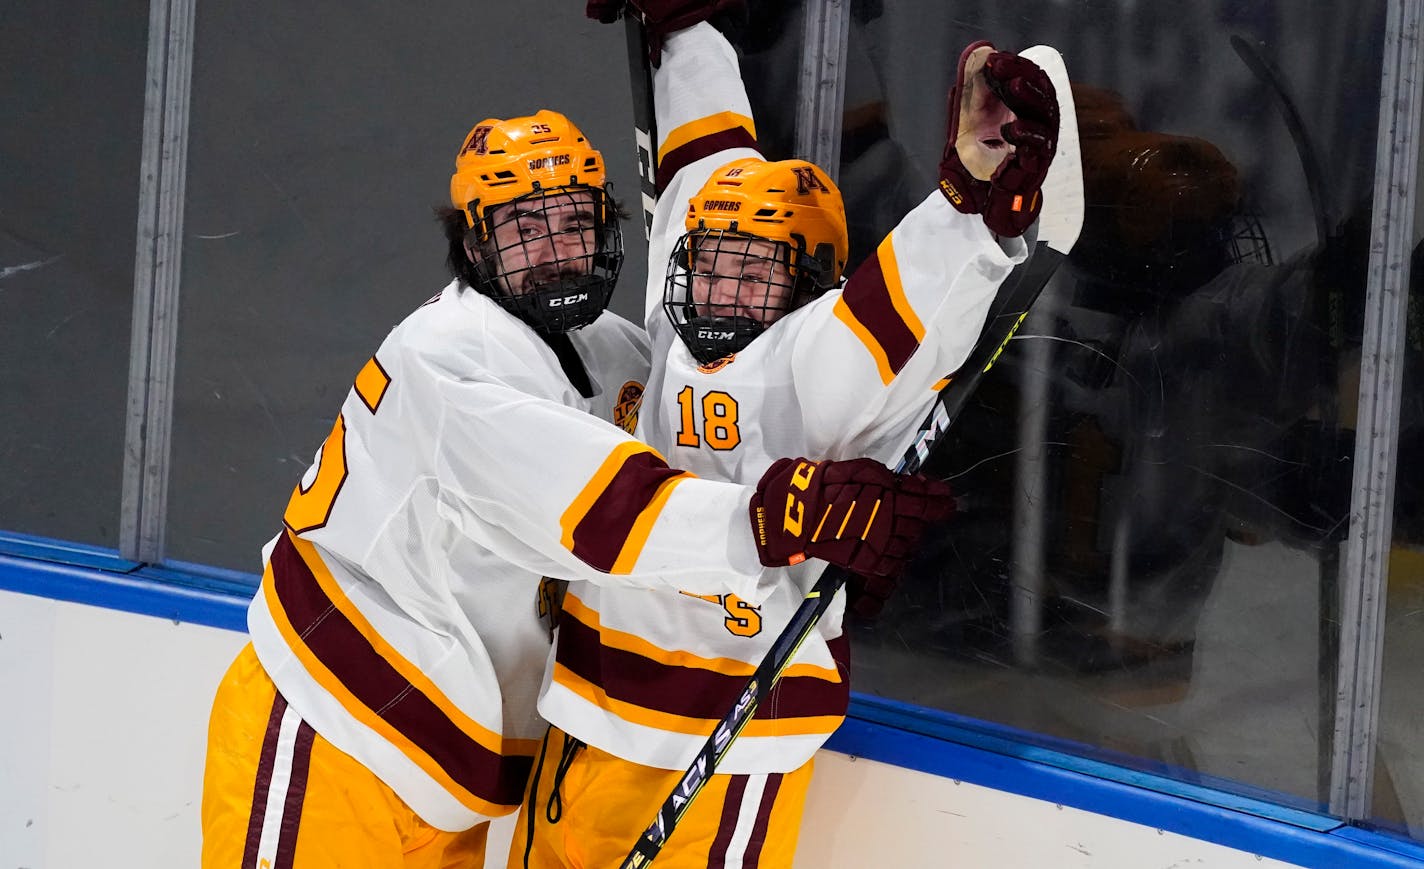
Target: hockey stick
[1058,228]
[1269,75]
[645,134]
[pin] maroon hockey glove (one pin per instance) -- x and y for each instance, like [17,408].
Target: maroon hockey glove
[1002,133]
[662,17]
[866,595]
[607,11]
[856,514]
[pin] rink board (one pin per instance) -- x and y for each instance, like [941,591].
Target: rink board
[108,668]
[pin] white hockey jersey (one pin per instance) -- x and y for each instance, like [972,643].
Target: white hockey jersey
[851,374]
[400,609]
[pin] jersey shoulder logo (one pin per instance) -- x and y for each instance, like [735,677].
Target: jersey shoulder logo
[625,409]
[717,364]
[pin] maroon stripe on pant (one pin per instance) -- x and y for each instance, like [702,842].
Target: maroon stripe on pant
[377,685]
[692,692]
[702,146]
[727,826]
[263,782]
[868,297]
[296,797]
[752,856]
[600,534]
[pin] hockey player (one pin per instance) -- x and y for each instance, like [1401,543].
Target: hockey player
[756,354]
[385,708]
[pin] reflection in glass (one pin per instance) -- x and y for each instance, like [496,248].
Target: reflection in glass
[1399,762]
[310,222]
[73,111]
[1159,474]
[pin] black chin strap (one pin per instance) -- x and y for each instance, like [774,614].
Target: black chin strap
[569,360]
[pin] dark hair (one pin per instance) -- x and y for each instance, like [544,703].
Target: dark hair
[456,233]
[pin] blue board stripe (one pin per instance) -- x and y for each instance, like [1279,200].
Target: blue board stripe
[133,592]
[1260,836]
[939,743]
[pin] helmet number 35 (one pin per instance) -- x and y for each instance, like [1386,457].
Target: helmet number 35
[718,420]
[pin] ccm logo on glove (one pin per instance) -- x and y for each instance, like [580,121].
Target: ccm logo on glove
[867,518]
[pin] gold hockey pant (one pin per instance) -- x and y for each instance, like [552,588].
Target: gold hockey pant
[585,808]
[276,795]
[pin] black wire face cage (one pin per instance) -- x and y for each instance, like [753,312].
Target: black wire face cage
[1248,240]
[723,289]
[552,257]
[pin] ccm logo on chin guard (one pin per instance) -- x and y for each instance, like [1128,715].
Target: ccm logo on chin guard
[714,335]
[564,301]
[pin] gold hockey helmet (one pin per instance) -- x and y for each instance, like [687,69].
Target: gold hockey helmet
[788,201]
[501,161]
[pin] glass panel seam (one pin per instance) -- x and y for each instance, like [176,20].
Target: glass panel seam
[821,106]
[157,272]
[1363,577]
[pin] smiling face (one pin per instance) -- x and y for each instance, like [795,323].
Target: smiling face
[535,241]
[737,276]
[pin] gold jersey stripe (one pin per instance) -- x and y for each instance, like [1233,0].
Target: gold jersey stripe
[490,740]
[816,725]
[882,361]
[591,491]
[643,526]
[615,639]
[705,126]
[895,289]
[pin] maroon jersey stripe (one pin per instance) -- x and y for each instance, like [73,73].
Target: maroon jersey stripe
[868,298]
[703,146]
[600,535]
[296,798]
[374,683]
[690,691]
[260,787]
[727,825]
[752,856]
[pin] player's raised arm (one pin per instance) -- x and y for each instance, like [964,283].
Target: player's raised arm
[703,116]
[912,312]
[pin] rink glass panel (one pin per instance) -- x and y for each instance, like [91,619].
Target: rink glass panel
[71,93]
[1158,469]
[1399,761]
[322,136]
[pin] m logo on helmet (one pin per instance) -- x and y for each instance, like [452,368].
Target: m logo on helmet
[479,141]
[806,180]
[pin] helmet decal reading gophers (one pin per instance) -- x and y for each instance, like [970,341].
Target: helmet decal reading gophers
[549,162]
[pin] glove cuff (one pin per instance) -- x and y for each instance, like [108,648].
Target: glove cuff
[965,192]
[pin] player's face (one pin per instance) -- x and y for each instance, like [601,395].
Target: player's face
[537,241]
[740,277]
